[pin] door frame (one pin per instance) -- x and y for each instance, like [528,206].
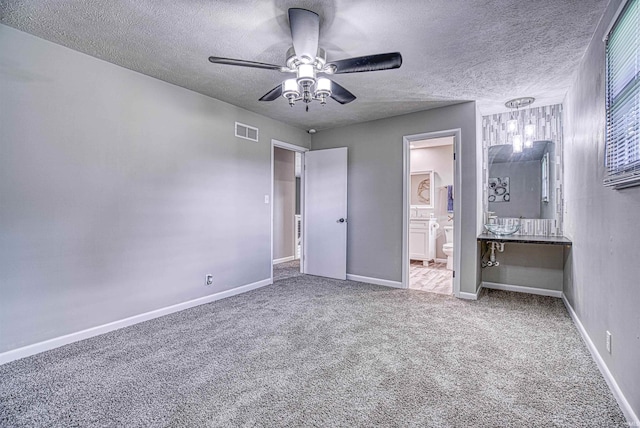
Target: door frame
[298,149]
[457,185]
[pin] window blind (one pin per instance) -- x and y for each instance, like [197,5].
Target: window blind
[623,99]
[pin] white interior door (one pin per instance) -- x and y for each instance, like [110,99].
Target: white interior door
[325,221]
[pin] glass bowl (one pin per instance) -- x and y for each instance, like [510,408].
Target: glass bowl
[502,229]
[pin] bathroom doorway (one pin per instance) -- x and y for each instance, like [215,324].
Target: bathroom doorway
[430,180]
[286,210]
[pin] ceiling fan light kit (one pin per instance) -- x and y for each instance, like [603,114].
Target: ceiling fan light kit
[307,60]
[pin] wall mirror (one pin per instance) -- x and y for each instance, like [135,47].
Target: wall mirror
[518,183]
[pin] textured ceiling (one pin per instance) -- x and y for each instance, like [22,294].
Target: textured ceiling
[453,51]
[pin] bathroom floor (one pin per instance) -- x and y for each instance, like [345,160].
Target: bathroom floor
[435,278]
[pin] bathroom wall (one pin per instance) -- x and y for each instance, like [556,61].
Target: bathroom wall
[438,159]
[601,278]
[548,121]
[120,192]
[374,237]
[284,203]
[528,265]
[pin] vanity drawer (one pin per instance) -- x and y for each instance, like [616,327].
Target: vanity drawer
[418,224]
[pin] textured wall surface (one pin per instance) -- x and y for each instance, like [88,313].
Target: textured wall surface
[119,192]
[601,279]
[374,241]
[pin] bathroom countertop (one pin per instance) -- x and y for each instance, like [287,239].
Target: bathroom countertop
[526,239]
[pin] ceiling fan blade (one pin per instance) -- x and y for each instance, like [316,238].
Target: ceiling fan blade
[305,31]
[340,94]
[272,94]
[360,64]
[243,63]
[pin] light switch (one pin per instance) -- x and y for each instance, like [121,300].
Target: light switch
[266,199]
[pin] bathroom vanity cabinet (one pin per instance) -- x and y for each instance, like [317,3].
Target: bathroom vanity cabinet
[419,240]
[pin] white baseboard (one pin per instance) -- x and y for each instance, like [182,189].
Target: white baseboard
[470,296]
[36,348]
[441,260]
[284,260]
[632,418]
[522,289]
[376,281]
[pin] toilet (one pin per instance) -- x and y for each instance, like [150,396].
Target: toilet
[447,248]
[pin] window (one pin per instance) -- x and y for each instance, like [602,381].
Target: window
[623,99]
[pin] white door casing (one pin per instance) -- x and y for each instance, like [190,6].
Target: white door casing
[325,226]
[302,151]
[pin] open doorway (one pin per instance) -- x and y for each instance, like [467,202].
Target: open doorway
[431,177]
[286,210]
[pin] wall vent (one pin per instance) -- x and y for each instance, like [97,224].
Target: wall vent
[247,132]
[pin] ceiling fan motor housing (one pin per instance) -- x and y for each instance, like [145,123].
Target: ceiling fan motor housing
[293,61]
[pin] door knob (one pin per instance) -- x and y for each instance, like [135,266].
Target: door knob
[342,220]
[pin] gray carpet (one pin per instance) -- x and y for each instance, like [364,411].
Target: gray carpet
[313,352]
[286,270]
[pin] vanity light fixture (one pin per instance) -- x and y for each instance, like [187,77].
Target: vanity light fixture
[513,125]
[517,143]
[529,132]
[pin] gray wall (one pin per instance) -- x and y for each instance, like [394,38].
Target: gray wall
[284,202]
[374,240]
[524,189]
[119,192]
[602,276]
[528,265]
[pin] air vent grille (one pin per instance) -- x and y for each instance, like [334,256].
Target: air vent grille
[247,132]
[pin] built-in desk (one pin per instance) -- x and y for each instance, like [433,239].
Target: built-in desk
[526,239]
[530,264]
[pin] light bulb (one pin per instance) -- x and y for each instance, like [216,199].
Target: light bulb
[323,90]
[323,86]
[517,143]
[306,75]
[290,90]
[512,125]
[528,143]
[529,130]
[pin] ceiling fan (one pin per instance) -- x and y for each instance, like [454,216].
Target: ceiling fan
[307,61]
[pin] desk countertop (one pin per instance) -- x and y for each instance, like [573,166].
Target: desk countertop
[526,239]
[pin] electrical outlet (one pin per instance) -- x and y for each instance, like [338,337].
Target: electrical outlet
[208,279]
[608,342]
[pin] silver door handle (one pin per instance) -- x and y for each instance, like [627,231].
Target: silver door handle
[341,220]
